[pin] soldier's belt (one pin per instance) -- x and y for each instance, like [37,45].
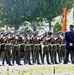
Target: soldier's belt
[53,44]
[7,44]
[36,44]
[45,45]
[21,44]
[28,44]
[2,44]
[63,44]
[15,45]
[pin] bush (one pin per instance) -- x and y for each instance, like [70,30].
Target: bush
[57,28]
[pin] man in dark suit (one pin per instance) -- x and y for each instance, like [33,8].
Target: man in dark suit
[69,38]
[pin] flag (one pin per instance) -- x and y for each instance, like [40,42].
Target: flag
[70,19]
[65,19]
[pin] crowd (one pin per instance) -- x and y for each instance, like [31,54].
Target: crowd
[31,48]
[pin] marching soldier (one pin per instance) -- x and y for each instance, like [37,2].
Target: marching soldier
[27,50]
[1,43]
[40,49]
[31,45]
[53,50]
[62,49]
[22,49]
[16,52]
[7,51]
[2,47]
[36,49]
[22,46]
[45,50]
[58,41]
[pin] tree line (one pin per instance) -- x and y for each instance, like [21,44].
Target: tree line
[14,12]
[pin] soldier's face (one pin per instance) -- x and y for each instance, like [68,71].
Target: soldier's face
[36,36]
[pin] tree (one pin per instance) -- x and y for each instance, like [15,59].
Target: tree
[14,12]
[55,8]
[57,28]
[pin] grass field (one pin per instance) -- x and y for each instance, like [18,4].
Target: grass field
[37,70]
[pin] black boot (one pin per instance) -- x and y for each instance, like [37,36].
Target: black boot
[18,61]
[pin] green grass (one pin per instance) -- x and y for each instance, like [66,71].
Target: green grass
[42,70]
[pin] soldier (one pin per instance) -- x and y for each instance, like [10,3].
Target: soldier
[7,51]
[53,50]
[40,49]
[27,50]
[16,51]
[36,49]
[59,51]
[22,49]
[2,47]
[1,41]
[31,45]
[22,46]
[46,49]
[62,49]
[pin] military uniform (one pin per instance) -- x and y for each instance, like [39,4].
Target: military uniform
[58,46]
[7,54]
[16,53]
[53,51]
[36,50]
[62,50]
[46,51]
[7,50]
[22,46]
[1,46]
[27,52]
[31,46]
[40,49]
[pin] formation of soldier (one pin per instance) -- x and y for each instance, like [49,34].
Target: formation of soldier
[32,49]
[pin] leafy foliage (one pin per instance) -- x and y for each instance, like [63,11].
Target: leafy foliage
[57,27]
[14,12]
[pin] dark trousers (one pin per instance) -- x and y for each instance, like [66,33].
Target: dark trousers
[53,54]
[16,55]
[36,54]
[40,53]
[57,51]
[61,53]
[2,48]
[22,47]
[67,51]
[45,52]
[7,56]
[27,55]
